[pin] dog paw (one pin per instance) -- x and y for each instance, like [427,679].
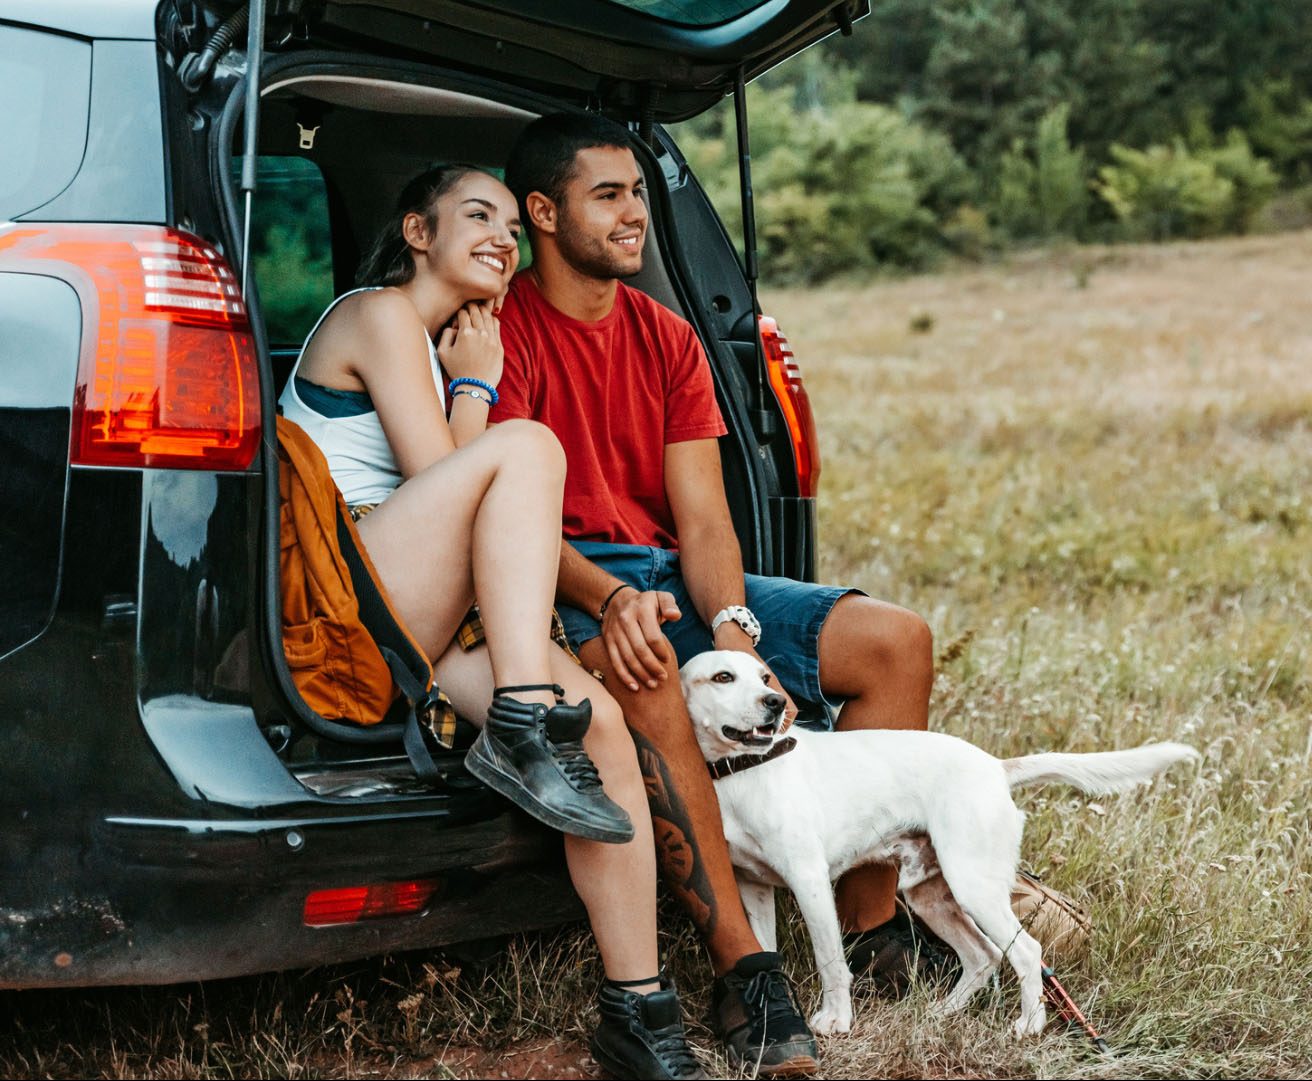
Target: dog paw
[1030,1025]
[831,1022]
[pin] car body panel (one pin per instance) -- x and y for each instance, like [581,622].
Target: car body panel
[85,18]
[45,88]
[39,348]
[121,178]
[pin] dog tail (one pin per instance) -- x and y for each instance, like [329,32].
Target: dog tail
[1105,771]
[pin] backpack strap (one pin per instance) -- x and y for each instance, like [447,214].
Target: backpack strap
[428,709]
[412,736]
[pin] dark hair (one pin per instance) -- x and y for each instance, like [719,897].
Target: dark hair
[388,261]
[542,158]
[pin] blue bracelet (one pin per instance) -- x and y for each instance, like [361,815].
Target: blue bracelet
[465,381]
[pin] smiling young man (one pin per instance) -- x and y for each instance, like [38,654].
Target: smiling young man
[652,572]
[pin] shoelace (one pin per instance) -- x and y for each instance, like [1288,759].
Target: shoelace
[673,1050]
[671,1046]
[768,993]
[579,769]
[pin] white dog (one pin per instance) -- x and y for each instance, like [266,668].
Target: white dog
[800,814]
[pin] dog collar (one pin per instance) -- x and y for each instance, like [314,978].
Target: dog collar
[723,767]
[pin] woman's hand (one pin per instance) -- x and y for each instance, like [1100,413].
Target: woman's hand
[470,347]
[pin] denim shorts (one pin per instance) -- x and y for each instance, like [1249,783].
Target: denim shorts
[791,613]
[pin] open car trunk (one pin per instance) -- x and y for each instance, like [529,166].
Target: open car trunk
[669,58]
[343,129]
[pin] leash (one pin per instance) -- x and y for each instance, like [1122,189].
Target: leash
[1070,1013]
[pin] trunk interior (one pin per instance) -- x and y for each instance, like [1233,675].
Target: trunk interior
[339,137]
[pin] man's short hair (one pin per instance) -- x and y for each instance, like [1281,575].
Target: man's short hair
[543,156]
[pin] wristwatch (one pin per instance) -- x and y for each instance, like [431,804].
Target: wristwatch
[743,617]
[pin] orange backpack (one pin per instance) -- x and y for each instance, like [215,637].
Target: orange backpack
[348,651]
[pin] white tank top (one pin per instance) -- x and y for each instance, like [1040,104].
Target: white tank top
[359,456]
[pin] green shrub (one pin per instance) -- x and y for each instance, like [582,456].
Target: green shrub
[1169,191]
[839,190]
[1012,200]
[1043,191]
[1253,179]
[1164,192]
[1061,183]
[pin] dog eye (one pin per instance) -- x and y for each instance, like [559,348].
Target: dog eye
[765,677]
[723,677]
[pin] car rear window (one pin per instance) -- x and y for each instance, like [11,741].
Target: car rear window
[291,244]
[45,95]
[691,12]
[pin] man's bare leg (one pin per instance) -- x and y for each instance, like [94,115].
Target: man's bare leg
[881,659]
[690,846]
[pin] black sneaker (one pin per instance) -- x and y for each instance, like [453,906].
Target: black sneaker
[534,757]
[753,1012]
[898,953]
[642,1036]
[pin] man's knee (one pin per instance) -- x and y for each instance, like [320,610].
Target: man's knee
[906,639]
[887,631]
[870,640]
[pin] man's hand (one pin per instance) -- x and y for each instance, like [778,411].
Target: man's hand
[731,636]
[631,632]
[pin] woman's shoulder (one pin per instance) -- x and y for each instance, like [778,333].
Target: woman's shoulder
[375,309]
[373,321]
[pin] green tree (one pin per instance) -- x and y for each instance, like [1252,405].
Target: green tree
[1041,188]
[1277,117]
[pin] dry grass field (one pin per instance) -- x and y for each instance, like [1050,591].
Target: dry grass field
[1092,471]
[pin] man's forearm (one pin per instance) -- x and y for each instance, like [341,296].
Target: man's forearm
[712,566]
[580,583]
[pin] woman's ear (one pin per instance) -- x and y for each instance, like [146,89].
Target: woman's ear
[414,228]
[541,212]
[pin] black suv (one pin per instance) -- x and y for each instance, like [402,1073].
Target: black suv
[170,809]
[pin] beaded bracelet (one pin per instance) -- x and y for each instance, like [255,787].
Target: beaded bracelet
[465,380]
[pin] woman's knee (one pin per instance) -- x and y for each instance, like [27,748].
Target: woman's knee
[609,742]
[526,442]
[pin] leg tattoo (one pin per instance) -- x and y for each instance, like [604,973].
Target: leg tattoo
[676,842]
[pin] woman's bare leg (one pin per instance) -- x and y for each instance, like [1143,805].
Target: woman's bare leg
[486,516]
[616,882]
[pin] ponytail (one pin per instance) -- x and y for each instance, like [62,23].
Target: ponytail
[389,261]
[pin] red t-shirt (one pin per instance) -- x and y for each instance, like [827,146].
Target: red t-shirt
[615,392]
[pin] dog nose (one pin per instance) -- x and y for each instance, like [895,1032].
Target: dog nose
[774,703]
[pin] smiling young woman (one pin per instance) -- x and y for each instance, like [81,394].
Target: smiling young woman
[452,512]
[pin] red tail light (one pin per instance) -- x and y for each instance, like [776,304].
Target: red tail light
[786,379]
[351,904]
[168,375]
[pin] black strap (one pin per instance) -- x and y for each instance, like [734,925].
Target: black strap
[412,736]
[657,979]
[723,767]
[554,688]
[410,670]
[601,612]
